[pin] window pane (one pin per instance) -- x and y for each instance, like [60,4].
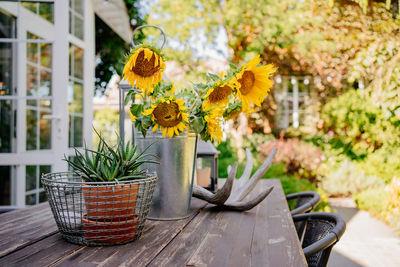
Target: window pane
[45,131]
[31,103]
[78,63]
[75,97]
[8,115]
[42,197]
[32,52]
[30,199]
[30,181]
[43,169]
[76,67]
[70,23]
[78,27]
[70,129]
[8,24]
[5,185]
[45,55]
[31,129]
[78,6]
[45,83]
[6,68]
[46,11]
[45,104]
[31,80]
[78,133]
[30,6]
[75,132]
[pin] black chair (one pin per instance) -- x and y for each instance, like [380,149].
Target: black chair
[322,231]
[304,201]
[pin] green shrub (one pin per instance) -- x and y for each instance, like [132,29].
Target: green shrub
[383,163]
[382,202]
[227,157]
[355,126]
[371,200]
[346,179]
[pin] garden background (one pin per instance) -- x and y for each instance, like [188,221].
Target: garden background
[343,56]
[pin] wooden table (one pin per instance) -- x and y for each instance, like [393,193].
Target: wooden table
[263,236]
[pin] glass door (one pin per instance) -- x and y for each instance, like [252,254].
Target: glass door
[28,144]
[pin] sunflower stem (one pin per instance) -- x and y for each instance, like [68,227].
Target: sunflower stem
[194,104]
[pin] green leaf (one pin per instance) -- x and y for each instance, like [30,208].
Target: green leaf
[213,76]
[197,124]
[136,109]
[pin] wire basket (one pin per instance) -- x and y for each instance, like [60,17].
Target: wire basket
[93,214]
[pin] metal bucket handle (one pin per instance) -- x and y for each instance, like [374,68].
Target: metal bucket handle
[152,26]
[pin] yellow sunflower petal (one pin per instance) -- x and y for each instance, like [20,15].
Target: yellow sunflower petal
[254,62]
[133,118]
[148,54]
[170,132]
[154,128]
[156,61]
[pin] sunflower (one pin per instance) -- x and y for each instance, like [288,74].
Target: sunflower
[144,68]
[218,93]
[169,115]
[214,120]
[254,83]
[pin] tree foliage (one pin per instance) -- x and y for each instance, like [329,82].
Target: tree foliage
[111,49]
[316,37]
[313,37]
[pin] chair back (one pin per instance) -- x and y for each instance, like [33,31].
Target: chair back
[304,201]
[322,231]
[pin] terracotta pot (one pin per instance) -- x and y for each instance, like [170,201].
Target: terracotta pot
[110,203]
[110,231]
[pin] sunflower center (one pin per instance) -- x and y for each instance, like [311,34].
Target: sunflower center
[167,114]
[144,67]
[219,93]
[246,82]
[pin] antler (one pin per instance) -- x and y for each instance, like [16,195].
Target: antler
[234,191]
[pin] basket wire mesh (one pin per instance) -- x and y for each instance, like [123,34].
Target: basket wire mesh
[106,213]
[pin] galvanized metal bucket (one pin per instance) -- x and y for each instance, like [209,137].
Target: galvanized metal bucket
[177,155]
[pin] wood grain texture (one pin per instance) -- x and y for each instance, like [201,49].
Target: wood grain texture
[263,236]
[278,244]
[26,226]
[155,237]
[42,253]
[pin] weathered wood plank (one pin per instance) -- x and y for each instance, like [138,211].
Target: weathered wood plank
[275,237]
[42,253]
[23,227]
[263,236]
[155,237]
[17,214]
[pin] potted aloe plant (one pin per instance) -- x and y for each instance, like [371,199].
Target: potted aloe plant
[110,191]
